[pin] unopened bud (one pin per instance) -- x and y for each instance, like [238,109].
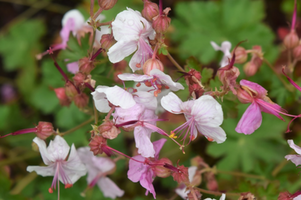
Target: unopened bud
[161,22]
[211,182]
[86,65]
[61,95]
[179,174]
[291,40]
[241,55]
[106,41]
[253,66]
[159,168]
[106,4]
[197,194]
[250,69]
[70,90]
[81,100]
[228,77]
[150,10]
[297,52]
[98,145]
[108,130]
[151,64]
[44,130]
[247,196]
[79,79]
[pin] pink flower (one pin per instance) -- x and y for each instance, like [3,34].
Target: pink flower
[55,156]
[256,95]
[143,172]
[131,31]
[182,189]
[98,168]
[204,115]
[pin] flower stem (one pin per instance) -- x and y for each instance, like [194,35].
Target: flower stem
[95,114]
[217,193]
[77,127]
[175,62]
[241,174]
[278,75]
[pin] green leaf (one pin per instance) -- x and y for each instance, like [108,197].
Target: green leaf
[230,20]
[243,152]
[51,76]
[207,74]
[20,45]
[193,63]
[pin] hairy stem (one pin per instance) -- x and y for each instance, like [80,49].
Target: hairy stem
[77,127]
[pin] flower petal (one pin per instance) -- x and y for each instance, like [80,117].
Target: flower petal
[270,108]
[109,188]
[146,181]
[143,143]
[158,146]
[255,87]
[216,133]
[134,77]
[172,103]
[295,147]
[43,151]
[100,101]
[166,80]
[43,171]
[143,53]
[121,49]
[136,169]
[250,120]
[58,149]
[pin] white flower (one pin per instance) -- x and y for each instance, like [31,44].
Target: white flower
[55,156]
[223,197]
[98,168]
[115,95]
[131,31]
[225,48]
[296,159]
[204,114]
[182,190]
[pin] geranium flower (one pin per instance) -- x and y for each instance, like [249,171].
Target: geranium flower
[204,114]
[98,168]
[223,197]
[225,48]
[55,156]
[296,159]
[143,172]
[182,189]
[131,31]
[256,95]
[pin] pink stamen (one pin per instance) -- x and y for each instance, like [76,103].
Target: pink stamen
[23,131]
[269,106]
[291,81]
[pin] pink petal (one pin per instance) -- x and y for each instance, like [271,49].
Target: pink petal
[143,143]
[250,120]
[295,147]
[109,188]
[73,67]
[255,87]
[158,146]
[296,159]
[136,169]
[146,181]
[166,80]
[270,108]
[143,53]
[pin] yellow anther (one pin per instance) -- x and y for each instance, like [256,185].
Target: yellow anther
[172,135]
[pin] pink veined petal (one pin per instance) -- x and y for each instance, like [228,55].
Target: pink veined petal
[172,103]
[136,169]
[158,146]
[295,147]
[255,87]
[134,77]
[207,111]
[121,49]
[216,133]
[250,120]
[74,168]
[44,153]
[270,108]
[58,149]
[43,171]
[143,143]
[146,181]
[143,53]
[296,159]
[120,97]
[73,67]
[109,188]
[166,80]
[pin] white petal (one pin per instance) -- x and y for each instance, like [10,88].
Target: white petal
[215,46]
[143,143]
[172,103]
[147,99]
[120,97]
[121,49]
[166,80]
[191,172]
[103,164]
[207,111]
[134,77]
[58,149]
[182,192]
[109,188]
[143,53]
[43,171]
[101,104]
[216,133]
[295,147]
[43,151]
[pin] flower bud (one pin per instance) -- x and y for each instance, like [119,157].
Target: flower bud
[250,69]
[159,168]
[98,145]
[297,52]
[108,130]
[179,174]
[244,96]
[61,95]
[44,130]
[150,10]
[81,100]
[196,193]
[79,79]
[106,41]
[161,22]
[247,196]
[86,65]
[228,78]
[291,40]
[211,182]
[106,4]
[241,55]
[70,90]
[151,64]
